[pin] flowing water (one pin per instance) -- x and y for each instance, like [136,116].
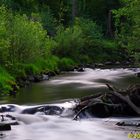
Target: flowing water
[59,95]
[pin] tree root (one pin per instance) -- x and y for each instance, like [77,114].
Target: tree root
[115,101]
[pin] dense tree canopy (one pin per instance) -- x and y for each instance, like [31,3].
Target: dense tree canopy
[128,26]
[48,35]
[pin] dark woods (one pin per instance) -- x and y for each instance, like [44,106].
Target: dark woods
[46,36]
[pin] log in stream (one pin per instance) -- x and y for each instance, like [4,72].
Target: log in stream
[113,103]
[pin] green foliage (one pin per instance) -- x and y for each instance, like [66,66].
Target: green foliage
[30,69]
[92,36]
[137,58]
[6,81]
[66,64]
[128,25]
[4,40]
[95,48]
[111,52]
[89,28]
[69,41]
[35,36]
[96,51]
[16,70]
[25,48]
[48,21]
[21,40]
[84,43]
[41,65]
[45,17]
[52,63]
[27,40]
[18,5]
[97,10]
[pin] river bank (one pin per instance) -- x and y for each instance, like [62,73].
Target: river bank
[74,84]
[24,81]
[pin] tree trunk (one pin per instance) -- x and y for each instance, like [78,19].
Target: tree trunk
[74,10]
[125,99]
[109,25]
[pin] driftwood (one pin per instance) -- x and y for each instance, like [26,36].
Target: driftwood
[135,123]
[114,102]
[125,99]
[113,106]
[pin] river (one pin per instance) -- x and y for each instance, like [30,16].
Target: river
[62,91]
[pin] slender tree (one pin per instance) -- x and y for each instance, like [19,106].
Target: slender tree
[109,32]
[74,10]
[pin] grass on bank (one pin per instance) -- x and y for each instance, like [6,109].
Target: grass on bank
[6,81]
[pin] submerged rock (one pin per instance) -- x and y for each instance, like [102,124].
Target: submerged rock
[129,123]
[5,127]
[118,63]
[138,74]
[38,78]
[2,135]
[31,78]
[48,110]
[81,69]
[45,77]
[108,63]
[99,65]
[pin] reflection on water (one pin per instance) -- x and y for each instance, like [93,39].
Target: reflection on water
[75,85]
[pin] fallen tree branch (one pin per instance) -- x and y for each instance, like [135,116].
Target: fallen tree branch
[126,99]
[91,105]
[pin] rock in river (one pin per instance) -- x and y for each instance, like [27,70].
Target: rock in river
[5,126]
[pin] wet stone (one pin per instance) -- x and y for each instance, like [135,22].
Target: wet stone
[129,123]
[138,74]
[5,127]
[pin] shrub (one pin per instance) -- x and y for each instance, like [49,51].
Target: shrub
[6,81]
[23,42]
[27,40]
[4,37]
[66,64]
[89,28]
[137,58]
[30,69]
[69,42]
[80,41]
[47,20]
[52,63]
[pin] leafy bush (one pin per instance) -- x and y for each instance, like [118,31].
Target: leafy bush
[6,81]
[66,64]
[69,42]
[27,40]
[46,18]
[4,39]
[89,28]
[22,43]
[137,58]
[127,20]
[30,69]
[84,43]
[52,63]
